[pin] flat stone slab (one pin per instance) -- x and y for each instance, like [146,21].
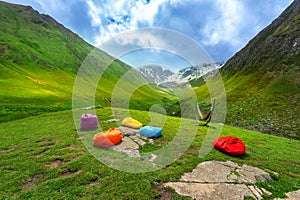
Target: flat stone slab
[294,195]
[211,191]
[249,174]
[213,180]
[225,172]
[137,140]
[128,146]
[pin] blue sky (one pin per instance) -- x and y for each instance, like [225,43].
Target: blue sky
[221,27]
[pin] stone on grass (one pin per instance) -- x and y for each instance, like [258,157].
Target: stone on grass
[128,146]
[221,180]
[126,131]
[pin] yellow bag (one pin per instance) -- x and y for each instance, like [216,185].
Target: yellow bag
[132,123]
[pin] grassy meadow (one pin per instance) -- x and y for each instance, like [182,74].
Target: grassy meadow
[42,157]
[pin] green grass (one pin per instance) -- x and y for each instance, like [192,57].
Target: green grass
[262,79]
[262,101]
[39,61]
[29,146]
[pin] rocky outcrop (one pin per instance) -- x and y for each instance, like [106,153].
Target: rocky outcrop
[214,180]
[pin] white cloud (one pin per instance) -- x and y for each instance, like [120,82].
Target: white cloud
[221,26]
[112,18]
[94,12]
[226,27]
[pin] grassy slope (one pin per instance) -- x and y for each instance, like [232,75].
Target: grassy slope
[39,61]
[262,80]
[27,149]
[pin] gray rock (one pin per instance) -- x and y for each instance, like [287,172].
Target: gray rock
[113,120]
[212,172]
[225,172]
[128,146]
[90,107]
[126,131]
[137,140]
[211,191]
[249,174]
[152,159]
[221,180]
[294,195]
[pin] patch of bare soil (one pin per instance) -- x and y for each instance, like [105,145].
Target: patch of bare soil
[68,174]
[31,182]
[71,146]
[45,142]
[162,193]
[80,136]
[10,148]
[96,182]
[55,163]
[41,153]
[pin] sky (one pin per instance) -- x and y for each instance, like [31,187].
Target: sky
[220,27]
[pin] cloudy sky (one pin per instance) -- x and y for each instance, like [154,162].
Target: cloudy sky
[221,27]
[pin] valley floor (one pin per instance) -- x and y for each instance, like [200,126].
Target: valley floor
[45,157]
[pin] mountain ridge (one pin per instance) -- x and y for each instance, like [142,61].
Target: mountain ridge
[262,79]
[39,61]
[165,77]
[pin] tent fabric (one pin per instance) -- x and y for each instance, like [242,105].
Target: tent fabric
[88,122]
[150,131]
[230,145]
[132,123]
[109,138]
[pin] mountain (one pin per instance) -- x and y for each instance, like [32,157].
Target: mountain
[167,79]
[262,80]
[155,73]
[39,60]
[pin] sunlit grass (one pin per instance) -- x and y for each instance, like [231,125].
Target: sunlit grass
[42,157]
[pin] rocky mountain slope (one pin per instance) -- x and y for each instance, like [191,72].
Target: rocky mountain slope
[263,79]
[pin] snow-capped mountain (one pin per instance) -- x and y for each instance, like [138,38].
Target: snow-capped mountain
[164,77]
[155,73]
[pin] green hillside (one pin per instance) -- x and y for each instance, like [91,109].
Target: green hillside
[49,161]
[262,80]
[39,60]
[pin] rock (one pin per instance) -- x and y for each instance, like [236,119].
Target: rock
[128,146]
[256,191]
[211,191]
[152,159]
[151,141]
[294,195]
[225,172]
[249,174]
[212,172]
[126,131]
[266,191]
[110,121]
[221,180]
[137,140]
[91,107]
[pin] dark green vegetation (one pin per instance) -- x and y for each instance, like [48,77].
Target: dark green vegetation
[42,157]
[39,60]
[262,80]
